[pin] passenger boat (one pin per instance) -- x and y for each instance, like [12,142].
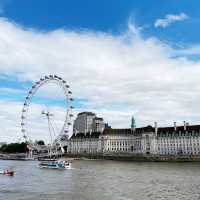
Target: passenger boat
[55,164]
[7,172]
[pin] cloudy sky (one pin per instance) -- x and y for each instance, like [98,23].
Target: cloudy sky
[120,58]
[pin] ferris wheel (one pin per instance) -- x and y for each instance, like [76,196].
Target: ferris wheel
[63,133]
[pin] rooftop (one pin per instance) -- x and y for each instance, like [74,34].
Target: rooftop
[86,113]
[98,118]
[87,135]
[150,129]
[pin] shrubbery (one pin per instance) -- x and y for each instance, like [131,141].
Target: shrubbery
[14,148]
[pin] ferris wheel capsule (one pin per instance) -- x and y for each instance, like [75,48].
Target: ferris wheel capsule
[67,86]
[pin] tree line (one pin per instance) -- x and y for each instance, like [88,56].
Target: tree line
[17,147]
[14,148]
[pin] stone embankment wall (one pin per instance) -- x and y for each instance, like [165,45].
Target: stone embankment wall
[13,156]
[136,157]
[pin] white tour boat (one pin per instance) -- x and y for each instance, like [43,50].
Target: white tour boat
[55,164]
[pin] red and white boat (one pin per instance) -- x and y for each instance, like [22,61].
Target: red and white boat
[8,172]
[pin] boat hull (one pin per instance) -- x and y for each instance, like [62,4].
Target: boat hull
[51,167]
[55,165]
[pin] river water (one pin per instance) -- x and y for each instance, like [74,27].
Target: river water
[101,179]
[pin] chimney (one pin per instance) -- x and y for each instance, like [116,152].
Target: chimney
[156,128]
[184,125]
[174,126]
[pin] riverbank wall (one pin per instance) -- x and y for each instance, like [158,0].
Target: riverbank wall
[116,156]
[13,156]
[136,157]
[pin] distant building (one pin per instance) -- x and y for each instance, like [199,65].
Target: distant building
[107,125]
[117,140]
[83,123]
[81,143]
[86,132]
[136,141]
[175,140]
[179,140]
[88,122]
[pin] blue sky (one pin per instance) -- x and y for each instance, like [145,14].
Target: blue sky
[121,58]
[105,15]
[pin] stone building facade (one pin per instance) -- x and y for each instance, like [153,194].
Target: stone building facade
[84,143]
[176,140]
[184,140]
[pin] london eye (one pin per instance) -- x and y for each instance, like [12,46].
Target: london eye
[57,136]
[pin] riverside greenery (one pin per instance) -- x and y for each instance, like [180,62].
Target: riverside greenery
[14,148]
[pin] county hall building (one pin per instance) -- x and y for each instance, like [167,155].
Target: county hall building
[92,136]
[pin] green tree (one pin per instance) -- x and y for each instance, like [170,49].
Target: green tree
[14,148]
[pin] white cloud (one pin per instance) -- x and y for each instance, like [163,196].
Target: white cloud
[118,75]
[10,91]
[169,19]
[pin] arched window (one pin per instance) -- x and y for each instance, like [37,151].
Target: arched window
[132,148]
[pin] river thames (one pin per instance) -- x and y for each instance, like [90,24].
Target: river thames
[101,179]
